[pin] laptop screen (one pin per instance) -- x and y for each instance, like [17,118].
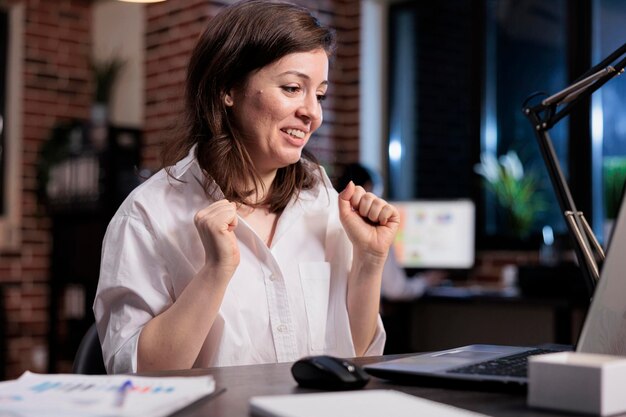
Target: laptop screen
[604,330]
[435,234]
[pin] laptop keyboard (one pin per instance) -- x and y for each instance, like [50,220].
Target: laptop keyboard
[513,365]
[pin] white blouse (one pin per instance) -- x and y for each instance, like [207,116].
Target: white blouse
[283,302]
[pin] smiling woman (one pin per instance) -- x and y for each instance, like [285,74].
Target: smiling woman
[240,251]
[278,109]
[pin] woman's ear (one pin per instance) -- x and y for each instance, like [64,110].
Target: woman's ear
[228,100]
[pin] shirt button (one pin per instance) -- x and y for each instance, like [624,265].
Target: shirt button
[282,328]
[273,277]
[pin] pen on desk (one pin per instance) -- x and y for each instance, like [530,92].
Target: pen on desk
[122,392]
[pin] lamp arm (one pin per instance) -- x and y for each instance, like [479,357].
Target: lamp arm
[591,81]
[608,61]
[543,117]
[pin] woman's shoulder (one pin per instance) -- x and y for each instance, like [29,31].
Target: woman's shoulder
[145,195]
[163,192]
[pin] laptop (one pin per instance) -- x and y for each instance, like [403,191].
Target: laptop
[604,332]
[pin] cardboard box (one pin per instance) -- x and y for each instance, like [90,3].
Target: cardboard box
[579,382]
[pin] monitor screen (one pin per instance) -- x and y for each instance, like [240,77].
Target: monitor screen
[435,234]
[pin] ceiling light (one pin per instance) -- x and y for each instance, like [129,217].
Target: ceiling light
[142,1]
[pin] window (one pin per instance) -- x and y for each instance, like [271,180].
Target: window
[459,72]
[434,99]
[608,120]
[525,49]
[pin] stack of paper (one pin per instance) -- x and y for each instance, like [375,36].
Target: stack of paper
[67,395]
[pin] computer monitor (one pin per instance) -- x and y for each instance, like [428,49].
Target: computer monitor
[435,234]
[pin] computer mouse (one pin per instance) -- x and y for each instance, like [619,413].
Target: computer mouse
[328,373]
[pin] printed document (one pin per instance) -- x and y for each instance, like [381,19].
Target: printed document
[68,395]
[365,403]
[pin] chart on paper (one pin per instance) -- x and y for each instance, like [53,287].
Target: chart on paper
[50,395]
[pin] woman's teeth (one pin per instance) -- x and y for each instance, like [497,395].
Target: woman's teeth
[297,133]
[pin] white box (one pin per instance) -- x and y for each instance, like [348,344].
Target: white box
[579,382]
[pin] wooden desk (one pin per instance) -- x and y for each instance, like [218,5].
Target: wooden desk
[243,382]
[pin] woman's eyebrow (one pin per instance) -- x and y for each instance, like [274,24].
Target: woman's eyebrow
[301,75]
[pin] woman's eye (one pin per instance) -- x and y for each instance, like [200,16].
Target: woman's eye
[291,89]
[321,97]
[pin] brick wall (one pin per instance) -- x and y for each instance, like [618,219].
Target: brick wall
[56,87]
[172,29]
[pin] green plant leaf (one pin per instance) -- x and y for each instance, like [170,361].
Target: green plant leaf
[515,189]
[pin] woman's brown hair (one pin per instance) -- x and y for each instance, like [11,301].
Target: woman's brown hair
[240,39]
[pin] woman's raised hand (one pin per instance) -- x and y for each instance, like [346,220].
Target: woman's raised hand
[216,227]
[370,222]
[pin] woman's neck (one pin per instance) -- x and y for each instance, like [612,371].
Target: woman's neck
[263,187]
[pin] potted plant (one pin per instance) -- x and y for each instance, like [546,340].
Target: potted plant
[105,74]
[514,189]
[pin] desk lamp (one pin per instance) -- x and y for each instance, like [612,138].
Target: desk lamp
[543,117]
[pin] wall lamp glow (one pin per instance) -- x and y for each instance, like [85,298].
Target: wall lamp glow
[395,150]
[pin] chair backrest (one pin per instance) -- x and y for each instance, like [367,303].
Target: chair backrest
[88,359]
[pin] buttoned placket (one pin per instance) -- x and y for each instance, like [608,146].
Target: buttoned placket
[281,320]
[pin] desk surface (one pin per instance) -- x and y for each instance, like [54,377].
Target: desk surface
[243,382]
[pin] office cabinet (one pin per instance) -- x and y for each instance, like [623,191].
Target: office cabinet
[439,324]
[435,322]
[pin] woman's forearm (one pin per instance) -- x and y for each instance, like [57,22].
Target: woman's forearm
[363,301]
[173,339]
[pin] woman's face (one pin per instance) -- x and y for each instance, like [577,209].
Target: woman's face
[279,107]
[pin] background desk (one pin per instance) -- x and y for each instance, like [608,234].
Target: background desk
[243,382]
[437,321]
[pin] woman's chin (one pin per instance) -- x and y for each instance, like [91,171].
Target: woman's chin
[291,159]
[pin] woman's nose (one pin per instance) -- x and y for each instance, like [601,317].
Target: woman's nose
[310,108]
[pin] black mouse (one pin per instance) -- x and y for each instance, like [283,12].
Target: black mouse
[328,373]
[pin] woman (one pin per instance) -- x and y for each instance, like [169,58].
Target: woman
[240,251]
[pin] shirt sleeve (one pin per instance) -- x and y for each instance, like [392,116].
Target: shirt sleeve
[131,291]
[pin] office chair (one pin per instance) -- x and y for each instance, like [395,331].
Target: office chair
[88,359]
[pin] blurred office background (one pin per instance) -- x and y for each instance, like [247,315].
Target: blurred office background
[420,90]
